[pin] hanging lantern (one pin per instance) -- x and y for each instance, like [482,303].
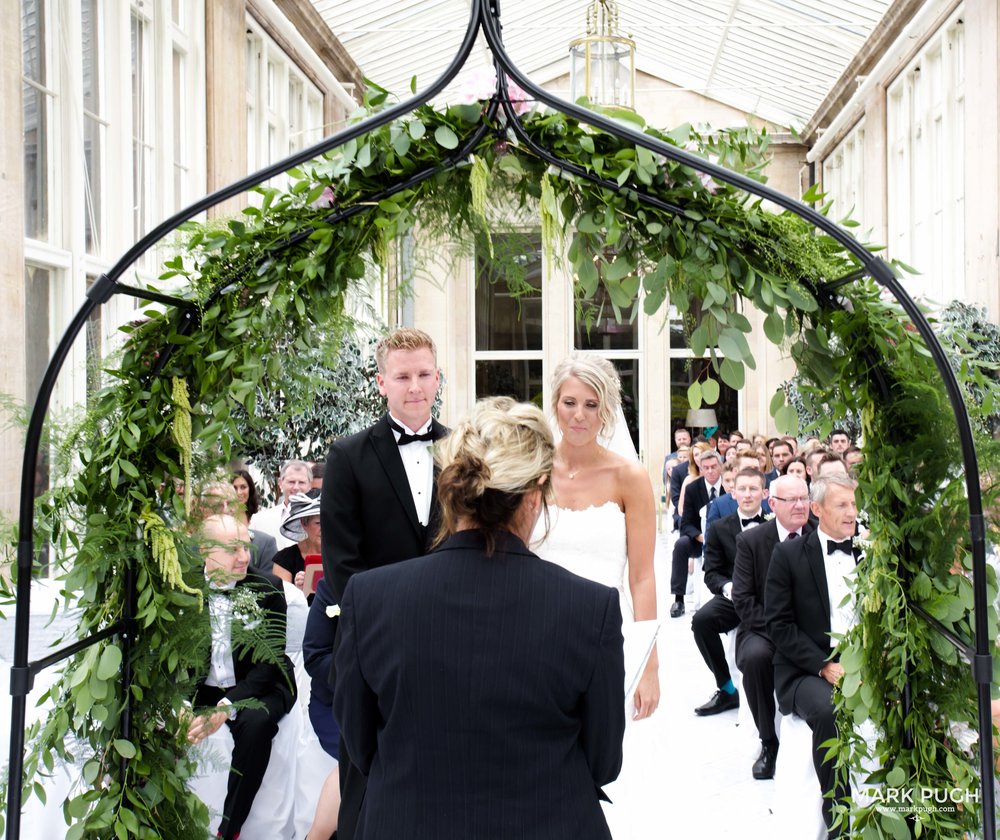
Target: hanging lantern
[602,62]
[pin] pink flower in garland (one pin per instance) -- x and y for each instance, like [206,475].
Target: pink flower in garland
[326,198]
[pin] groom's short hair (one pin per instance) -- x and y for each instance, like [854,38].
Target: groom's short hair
[403,338]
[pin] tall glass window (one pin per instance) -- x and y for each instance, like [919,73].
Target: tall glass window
[94,127]
[508,319]
[142,147]
[597,329]
[686,369]
[37,116]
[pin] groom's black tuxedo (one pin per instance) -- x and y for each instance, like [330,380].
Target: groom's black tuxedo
[367,511]
[368,519]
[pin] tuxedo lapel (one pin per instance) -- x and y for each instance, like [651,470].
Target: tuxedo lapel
[387,452]
[817,565]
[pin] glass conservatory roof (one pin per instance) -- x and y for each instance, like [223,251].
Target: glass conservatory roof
[773,58]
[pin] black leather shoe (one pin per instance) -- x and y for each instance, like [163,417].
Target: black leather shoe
[722,701]
[763,767]
[677,609]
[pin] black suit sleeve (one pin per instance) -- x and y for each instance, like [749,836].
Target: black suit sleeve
[783,627]
[263,677]
[603,706]
[340,515]
[355,705]
[717,566]
[691,518]
[749,607]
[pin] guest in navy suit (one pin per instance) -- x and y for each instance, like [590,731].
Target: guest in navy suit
[480,688]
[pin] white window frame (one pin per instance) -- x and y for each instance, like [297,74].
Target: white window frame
[925,127]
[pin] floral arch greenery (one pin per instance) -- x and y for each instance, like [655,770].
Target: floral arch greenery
[633,211]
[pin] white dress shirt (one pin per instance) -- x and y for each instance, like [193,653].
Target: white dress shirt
[727,588]
[222,671]
[783,532]
[841,569]
[419,466]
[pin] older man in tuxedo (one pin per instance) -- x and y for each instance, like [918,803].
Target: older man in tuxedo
[379,504]
[238,672]
[808,608]
[789,499]
[699,494]
[718,615]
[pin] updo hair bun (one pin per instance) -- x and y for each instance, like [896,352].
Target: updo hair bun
[489,461]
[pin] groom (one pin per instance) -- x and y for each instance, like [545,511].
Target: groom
[379,504]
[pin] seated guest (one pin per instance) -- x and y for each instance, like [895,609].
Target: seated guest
[680,478]
[479,688]
[699,493]
[807,582]
[813,457]
[789,499]
[840,441]
[294,477]
[781,454]
[317,654]
[249,683]
[793,442]
[217,497]
[726,503]
[302,527]
[718,615]
[854,456]
[831,464]
[682,440]
[795,466]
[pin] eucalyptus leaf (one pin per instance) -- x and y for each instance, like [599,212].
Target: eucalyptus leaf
[445,137]
[710,391]
[694,395]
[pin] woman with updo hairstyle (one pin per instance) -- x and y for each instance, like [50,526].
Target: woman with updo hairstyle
[604,525]
[479,688]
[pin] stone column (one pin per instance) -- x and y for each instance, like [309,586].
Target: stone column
[12,370]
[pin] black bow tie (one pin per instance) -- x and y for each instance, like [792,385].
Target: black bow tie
[406,437]
[847,546]
[759,518]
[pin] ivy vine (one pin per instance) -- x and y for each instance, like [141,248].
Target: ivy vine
[185,399]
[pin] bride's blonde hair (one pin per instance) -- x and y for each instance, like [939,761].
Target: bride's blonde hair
[489,461]
[597,373]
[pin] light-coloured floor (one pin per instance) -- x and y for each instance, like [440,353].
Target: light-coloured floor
[696,781]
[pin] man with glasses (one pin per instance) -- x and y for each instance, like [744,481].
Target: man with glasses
[789,499]
[699,494]
[294,477]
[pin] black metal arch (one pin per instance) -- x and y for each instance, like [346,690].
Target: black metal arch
[484,18]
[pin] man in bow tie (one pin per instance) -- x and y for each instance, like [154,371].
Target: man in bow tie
[238,672]
[808,609]
[718,615]
[379,504]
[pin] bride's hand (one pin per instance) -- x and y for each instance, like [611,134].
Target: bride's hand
[647,693]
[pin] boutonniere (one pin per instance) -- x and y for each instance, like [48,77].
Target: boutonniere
[246,608]
[333,611]
[768,517]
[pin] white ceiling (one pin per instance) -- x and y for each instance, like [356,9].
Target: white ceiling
[774,58]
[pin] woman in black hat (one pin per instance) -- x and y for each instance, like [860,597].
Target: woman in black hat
[302,525]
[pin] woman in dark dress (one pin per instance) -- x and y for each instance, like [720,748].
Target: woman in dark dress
[302,525]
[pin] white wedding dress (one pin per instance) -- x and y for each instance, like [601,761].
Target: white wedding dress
[592,543]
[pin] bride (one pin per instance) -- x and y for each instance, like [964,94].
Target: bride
[604,521]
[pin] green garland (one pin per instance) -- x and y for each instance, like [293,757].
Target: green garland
[254,286]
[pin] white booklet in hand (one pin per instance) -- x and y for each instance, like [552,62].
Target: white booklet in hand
[640,636]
